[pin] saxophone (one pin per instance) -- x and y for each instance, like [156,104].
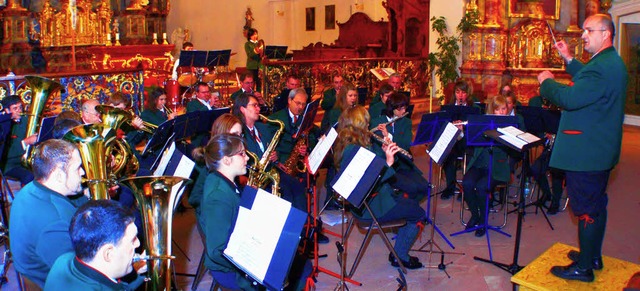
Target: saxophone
[295,163]
[259,177]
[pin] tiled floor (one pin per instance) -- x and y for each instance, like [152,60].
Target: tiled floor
[462,271]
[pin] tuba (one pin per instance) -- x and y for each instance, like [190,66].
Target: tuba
[156,201]
[92,141]
[125,162]
[41,89]
[259,176]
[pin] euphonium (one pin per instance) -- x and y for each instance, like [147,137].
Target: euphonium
[41,89]
[114,117]
[259,48]
[258,175]
[92,141]
[125,162]
[156,202]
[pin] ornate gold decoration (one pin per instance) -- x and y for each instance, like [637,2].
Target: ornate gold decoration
[92,26]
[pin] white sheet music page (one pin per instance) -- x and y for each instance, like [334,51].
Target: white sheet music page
[320,151]
[351,176]
[164,161]
[257,231]
[443,141]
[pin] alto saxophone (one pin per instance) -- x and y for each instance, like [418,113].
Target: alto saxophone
[295,163]
[259,176]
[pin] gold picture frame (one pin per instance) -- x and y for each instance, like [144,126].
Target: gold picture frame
[539,9]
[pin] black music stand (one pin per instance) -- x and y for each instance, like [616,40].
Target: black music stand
[218,58]
[275,52]
[307,118]
[475,131]
[46,129]
[460,112]
[159,138]
[513,267]
[363,92]
[186,58]
[431,127]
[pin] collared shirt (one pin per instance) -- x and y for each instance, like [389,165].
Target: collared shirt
[258,139]
[205,103]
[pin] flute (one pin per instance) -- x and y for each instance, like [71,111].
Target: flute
[394,119]
[460,123]
[400,150]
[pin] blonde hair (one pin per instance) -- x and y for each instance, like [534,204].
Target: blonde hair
[495,102]
[352,129]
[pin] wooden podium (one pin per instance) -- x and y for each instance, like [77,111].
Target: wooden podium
[537,276]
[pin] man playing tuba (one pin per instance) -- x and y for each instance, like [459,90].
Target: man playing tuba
[11,159]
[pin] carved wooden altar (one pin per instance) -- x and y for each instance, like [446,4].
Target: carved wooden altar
[514,39]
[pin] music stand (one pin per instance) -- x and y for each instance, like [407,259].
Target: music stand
[159,138]
[363,92]
[218,58]
[475,131]
[186,58]
[430,128]
[46,129]
[307,118]
[460,112]
[513,267]
[275,52]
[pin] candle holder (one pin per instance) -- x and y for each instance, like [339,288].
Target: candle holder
[108,43]
[155,38]
[117,39]
[164,38]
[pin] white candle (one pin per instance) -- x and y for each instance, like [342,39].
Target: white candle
[117,36]
[155,35]
[164,35]
[108,37]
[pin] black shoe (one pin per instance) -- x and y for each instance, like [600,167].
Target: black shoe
[573,272]
[322,239]
[596,263]
[480,232]
[446,195]
[553,210]
[473,222]
[413,262]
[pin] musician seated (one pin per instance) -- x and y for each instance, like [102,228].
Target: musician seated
[347,98]
[280,101]
[41,213]
[386,205]
[462,97]
[395,81]
[11,164]
[104,239]
[246,86]
[132,130]
[88,111]
[408,177]
[376,109]
[329,95]
[474,184]
[186,46]
[202,102]
[155,110]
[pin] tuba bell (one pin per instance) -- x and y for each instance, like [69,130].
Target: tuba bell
[92,141]
[156,201]
[41,89]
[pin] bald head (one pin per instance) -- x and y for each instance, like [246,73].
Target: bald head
[598,32]
[89,113]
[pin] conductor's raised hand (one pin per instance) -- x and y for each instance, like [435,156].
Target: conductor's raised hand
[563,49]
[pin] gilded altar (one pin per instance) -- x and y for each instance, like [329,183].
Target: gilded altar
[80,25]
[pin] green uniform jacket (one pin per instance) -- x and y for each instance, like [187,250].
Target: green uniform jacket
[590,133]
[253,59]
[382,198]
[328,99]
[69,273]
[500,167]
[375,109]
[329,119]
[13,149]
[156,117]
[219,211]
[286,143]
[196,105]
[39,225]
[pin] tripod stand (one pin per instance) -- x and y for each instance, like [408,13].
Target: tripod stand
[514,267]
[431,242]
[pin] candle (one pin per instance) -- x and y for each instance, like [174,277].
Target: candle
[108,37]
[164,35]
[117,36]
[155,35]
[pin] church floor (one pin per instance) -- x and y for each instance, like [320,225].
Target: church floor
[462,271]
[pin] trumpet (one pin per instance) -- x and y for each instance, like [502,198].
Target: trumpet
[401,151]
[167,110]
[394,119]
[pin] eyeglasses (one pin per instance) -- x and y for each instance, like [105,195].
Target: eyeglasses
[588,30]
[256,105]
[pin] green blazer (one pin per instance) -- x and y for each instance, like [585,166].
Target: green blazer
[253,59]
[235,95]
[375,109]
[328,99]
[219,211]
[68,273]
[196,105]
[39,226]
[156,117]
[500,168]
[286,143]
[402,136]
[329,119]
[590,133]
[13,151]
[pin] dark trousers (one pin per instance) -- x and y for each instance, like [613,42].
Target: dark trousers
[476,191]
[539,172]
[450,166]
[256,79]
[588,200]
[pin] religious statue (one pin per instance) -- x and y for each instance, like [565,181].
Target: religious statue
[248,19]
[34,31]
[116,26]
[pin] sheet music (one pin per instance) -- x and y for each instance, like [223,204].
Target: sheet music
[513,140]
[353,173]
[514,132]
[443,141]
[164,161]
[256,234]
[184,169]
[320,151]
